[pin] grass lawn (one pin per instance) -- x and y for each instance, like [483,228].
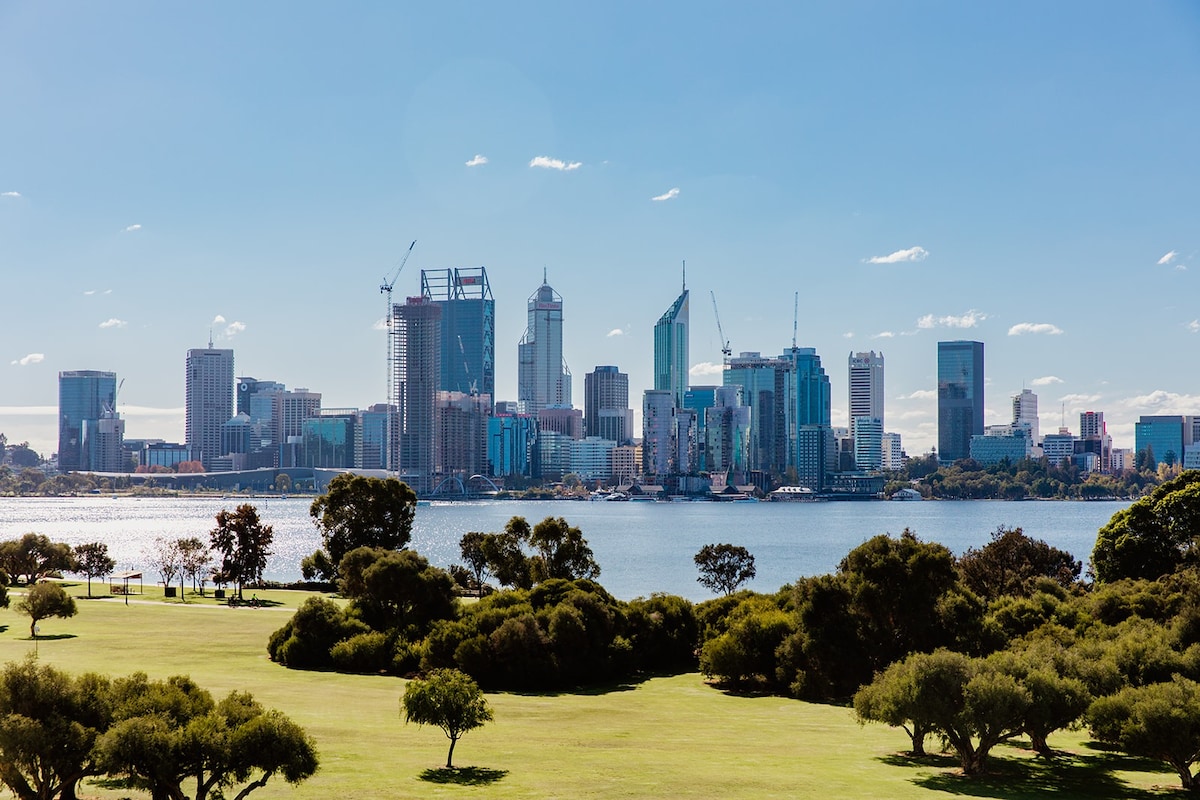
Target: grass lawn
[669,737]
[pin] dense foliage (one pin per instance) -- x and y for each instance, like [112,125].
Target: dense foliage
[1153,537]
[1028,478]
[359,511]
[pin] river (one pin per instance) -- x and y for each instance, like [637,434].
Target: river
[641,547]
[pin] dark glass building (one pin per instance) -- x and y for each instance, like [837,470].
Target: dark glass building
[960,398]
[84,395]
[468,328]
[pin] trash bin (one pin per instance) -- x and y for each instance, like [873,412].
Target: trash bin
[219,594]
[169,591]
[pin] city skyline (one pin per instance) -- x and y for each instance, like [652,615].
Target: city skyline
[1008,176]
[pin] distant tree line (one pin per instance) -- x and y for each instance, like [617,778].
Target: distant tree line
[1026,479]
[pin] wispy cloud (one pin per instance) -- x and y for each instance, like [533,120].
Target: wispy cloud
[1169,257]
[10,194]
[90,292]
[234,328]
[32,358]
[113,323]
[1046,380]
[1022,328]
[546,162]
[911,254]
[968,320]
[848,335]
[705,369]
[920,394]
[615,332]
[1194,326]
[477,161]
[1181,267]
[1080,399]
[669,194]
[380,324]
[1163,402]
[217,320]
[132,228]
[884,335]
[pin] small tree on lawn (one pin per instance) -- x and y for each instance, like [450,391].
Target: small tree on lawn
[244,543]
[724,567]
[166,559]
[43,601]
[195,563]
[92,559]
[471,545]
[449,699]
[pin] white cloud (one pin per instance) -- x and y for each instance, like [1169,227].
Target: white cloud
[967,320]
[1163,402]
[615,332]
[107,291]
[1046,380]
[90,292]
[911,254]
[848,335]
[1181,267]
[920,394]
[380,324]
[235,328]
[705,369]
[217,320]
[477,161]
[884,335]
[1169,257]
[546,162]
[10,194]
[113,323]
[670,194]
[134,227]
[32,358]
[1080,399]
[1194,326]
[1034,327]
[29,411]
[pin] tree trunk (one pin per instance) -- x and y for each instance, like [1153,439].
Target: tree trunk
[1186,778]
[450,755]
[89,587]
[33,628]
[917,735]
[1038,742]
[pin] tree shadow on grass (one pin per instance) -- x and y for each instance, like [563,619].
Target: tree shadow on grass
[464,776]
[1066,775]
[50,637]
[594,690]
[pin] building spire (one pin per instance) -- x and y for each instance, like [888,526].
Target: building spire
[210,347]
[685,274]
[544,281]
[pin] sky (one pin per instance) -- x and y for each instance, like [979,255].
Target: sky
[1018,173]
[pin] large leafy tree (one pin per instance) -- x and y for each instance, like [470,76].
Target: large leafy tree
[244,544]
[1159,720]
[471,546]
[561,552]
[48,724]
[360,511]
[92,559]
[1153,537]
[34,557]
[396,590]
[449,699]
[724,567]
[43,601]
[1011,563]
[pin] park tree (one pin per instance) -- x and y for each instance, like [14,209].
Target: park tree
[244,544]
[195,562]
[1159,721]
[166,560]
[895,698]
[4,600]
[560,551]
[724,567]
[92,559]
[43,601]
[360,511]
[392,590]
[1058,697]
[34,557]
[305,640]
[471,546]
[1155,536]
[48,724]
[448,699]
[1011,563]
[506,559]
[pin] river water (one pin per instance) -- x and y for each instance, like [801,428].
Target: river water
[641,547]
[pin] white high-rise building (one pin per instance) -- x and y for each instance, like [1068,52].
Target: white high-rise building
[866,408]
[208,400]
[893,452]
[542,375]
[1025,414]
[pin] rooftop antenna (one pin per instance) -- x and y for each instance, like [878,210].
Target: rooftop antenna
[685,274]
[795,318]
[210,347]
[543,275]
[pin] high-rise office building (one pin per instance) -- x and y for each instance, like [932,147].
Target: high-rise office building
[1025,415]
[866,408]
[289,410]
[416,372]
[1094,438]
[764,382]
[542,375]
[208,400]
[960,398]
[606,411]
[468,328]
[84,396]
[810,432]
[671,349]
[659,451]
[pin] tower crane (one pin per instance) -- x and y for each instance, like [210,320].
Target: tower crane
[725,351]
[386,288]
[390,280]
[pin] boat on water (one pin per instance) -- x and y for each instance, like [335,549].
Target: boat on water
[793,494]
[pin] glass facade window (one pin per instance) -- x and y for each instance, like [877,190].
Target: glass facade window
[671,350]
[960,398]
[84,396]
[468,328]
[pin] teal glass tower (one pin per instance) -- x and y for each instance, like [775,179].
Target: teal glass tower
[84,395]
[671,349]
[960,398]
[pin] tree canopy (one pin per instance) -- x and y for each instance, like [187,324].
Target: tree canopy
[522,556]
[1153,537]
[1011,563]
[449,699]
[244,544]
[43,601]
[724,567]
[361,511]
[1160,720]
[92,559]
[34,557]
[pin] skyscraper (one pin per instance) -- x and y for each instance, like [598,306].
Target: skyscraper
[1025,414]
[85,396]
[208,400]
[416,371]
[468,328]
[606,411]
[764,381]
[866,409]
[671,349]
[960,398]
[542,375]
[810,432]
[659,452]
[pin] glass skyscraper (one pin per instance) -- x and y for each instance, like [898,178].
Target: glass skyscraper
[542,375]
[960,398]
[671,350]
[208,397]
[468,332]
[84,396]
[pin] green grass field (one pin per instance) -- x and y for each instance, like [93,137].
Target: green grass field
[665,738]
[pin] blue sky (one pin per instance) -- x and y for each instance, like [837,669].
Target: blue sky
[1021,173]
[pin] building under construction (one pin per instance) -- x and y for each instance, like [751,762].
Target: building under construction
[415,370]
[468,328]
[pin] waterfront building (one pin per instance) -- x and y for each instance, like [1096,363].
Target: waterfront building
[606,411]
[1121,459]
[1025,415]
[1001,442]
[893,452]
[328,438]
[764,382]
[700,399]
[960,398]
[625,461]
[289,410]
[166,454]
[809,408]
[671,350]
[552,455]
[658,432]
[868,442]
[686,458]
[250,388]
[866,401]
[208,400]
[1164,437]
[468,328]
[815,449]
[543,378]
[462,430]
[591,458]
[1058,447]
[416,326]
[84,396]
[507,407]
[727,433]
[370,436]
[508,448]
[1094,438]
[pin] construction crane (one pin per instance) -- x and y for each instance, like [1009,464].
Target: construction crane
[386,289]
[472,384]
[725,351]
